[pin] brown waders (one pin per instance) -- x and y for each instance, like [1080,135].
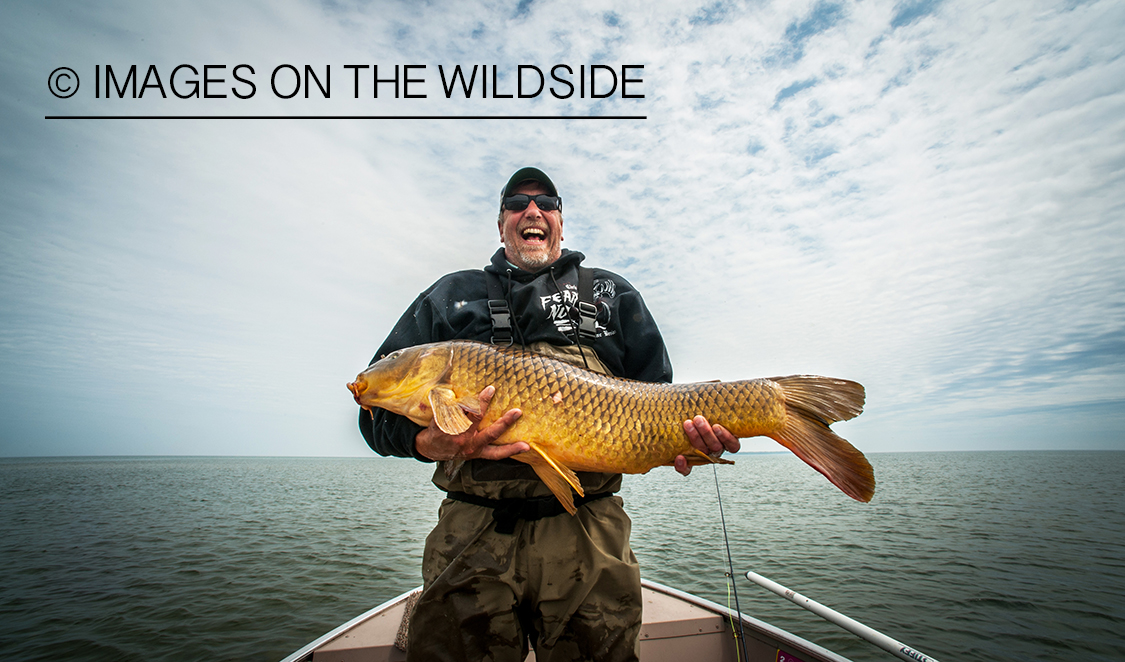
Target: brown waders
[568,584]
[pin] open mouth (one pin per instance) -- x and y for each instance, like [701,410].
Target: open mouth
[533,235]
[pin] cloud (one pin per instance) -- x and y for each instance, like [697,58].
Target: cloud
[925,197]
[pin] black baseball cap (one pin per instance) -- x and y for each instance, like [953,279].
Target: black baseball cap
[525,174]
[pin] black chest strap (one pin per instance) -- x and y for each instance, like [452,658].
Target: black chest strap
[587,311]
[501,313]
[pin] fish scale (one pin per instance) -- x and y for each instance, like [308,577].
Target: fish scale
[577,420]
[602,423]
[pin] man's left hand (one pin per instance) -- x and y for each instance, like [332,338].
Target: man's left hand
[708,438]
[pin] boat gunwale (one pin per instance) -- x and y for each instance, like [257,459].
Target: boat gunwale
[782,636]
[306,651]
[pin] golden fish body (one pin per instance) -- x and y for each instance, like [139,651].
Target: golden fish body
[577,420]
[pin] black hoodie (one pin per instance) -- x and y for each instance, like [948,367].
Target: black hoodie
[456,308]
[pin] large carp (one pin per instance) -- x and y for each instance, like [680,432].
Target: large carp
[577,420]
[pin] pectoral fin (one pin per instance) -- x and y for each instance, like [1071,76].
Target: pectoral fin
[557,477]
[447,412]
[471,404]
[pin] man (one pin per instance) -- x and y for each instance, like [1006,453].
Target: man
[505,565]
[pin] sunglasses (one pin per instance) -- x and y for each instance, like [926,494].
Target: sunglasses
[519,202]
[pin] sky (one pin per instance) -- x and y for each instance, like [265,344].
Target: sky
[927,197]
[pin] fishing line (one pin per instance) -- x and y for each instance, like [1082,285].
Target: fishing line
[573,324]
[515,321]
[730,615]
[731,584]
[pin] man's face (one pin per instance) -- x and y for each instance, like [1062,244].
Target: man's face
[532,238]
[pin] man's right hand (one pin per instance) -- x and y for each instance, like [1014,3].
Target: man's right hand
[472,443]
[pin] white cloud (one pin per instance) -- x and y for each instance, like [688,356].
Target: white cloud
[933,209]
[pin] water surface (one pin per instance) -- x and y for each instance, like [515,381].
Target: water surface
[988,556]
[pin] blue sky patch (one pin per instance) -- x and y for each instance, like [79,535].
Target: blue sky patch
[792,90]
[711,14]
[912,10]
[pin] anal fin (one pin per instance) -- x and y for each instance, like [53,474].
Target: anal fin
[557,477]
[699,457]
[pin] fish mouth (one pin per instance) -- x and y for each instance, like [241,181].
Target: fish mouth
[356,388]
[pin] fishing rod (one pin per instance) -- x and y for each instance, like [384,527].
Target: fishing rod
[740,635]
[872,635]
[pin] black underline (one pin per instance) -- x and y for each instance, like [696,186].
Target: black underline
[345,117]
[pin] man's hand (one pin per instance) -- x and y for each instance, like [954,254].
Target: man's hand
[472,443]
[707,438]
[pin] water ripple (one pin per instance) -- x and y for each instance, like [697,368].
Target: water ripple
[992,556]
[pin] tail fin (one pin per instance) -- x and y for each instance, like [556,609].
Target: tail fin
[812,404]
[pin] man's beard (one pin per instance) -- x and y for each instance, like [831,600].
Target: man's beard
[537,259]
[534,259]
